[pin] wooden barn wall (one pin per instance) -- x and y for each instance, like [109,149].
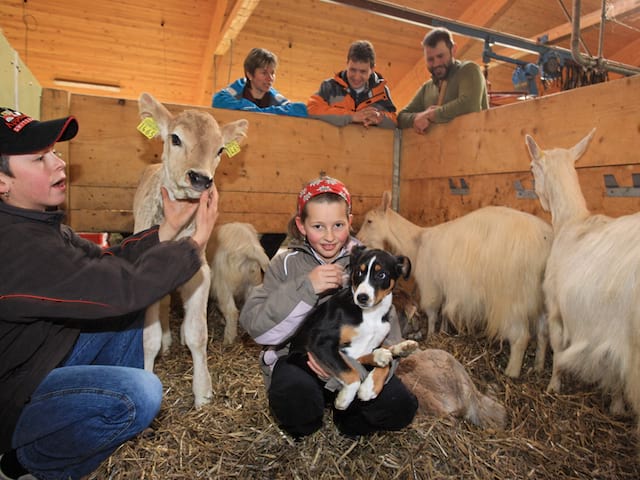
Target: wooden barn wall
[259,185]
[487,151]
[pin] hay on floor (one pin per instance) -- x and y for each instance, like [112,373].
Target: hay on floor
[568,435]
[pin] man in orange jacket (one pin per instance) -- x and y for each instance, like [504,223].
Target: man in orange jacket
[356,95]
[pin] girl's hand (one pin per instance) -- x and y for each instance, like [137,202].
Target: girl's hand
[317,369]
[326,277]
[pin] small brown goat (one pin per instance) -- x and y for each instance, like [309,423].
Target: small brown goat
[444,388]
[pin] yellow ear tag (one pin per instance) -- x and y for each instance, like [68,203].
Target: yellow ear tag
[148,127]
[232,148]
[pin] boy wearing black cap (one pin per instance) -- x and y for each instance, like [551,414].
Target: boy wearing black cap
[72,384]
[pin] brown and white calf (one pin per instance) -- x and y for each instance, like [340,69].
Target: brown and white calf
[193,144]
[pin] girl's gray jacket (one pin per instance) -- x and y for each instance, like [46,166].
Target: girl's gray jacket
[274,310]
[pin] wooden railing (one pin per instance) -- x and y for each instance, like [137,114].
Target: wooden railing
[484,152]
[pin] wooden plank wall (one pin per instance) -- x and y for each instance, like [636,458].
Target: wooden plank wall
[488,152]
[259,185]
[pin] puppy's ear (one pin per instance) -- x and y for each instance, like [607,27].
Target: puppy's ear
[356,251]
[403,266]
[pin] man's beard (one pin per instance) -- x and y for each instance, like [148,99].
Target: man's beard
[446,68]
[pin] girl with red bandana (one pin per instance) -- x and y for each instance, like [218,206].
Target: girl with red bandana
[307,273]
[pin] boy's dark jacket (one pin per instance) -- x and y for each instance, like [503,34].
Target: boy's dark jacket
[53,281]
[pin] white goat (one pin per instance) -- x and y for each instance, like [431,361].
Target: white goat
[592,283]
[193,143]
[237,263]
[483,270]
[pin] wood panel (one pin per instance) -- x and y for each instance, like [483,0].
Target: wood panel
[168,47]
[487,150]
[493,141]
[279,155]
[266,212]
[432,201]
[259,185]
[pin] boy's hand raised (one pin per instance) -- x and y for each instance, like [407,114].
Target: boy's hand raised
[177,213]
[206,216]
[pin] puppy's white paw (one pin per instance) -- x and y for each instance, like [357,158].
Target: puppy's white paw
[403,349]
[346,396]
[382,357]
[366,391]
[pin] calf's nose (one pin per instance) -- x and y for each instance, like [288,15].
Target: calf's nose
[199,182]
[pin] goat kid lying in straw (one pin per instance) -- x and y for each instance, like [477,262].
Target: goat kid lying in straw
[345,332]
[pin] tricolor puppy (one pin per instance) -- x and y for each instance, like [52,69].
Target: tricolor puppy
[346,332]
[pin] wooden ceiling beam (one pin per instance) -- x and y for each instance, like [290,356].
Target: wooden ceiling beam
[215,33]
[619,8]
[238,17]
[221,34]
[630,53]
[480,12]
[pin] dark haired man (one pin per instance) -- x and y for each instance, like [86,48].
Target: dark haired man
[356,95]
[455,87]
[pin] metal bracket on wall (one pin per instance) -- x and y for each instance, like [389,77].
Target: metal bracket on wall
[612,189]
[462,190]
[522,193]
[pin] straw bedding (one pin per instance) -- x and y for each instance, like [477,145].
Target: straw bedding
[569,435]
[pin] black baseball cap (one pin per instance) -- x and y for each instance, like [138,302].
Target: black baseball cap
[20,134]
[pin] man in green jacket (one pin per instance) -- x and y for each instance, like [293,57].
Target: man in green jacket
[455,87]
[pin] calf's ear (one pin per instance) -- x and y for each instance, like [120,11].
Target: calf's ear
[149,107]
[234,131]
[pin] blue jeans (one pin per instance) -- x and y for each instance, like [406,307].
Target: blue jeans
[98,398]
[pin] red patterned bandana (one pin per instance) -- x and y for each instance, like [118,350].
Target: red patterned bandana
[323,185]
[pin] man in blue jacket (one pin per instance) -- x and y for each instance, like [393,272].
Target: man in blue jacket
[255,92]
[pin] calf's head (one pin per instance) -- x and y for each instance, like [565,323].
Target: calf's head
[193,143]
[374,274]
